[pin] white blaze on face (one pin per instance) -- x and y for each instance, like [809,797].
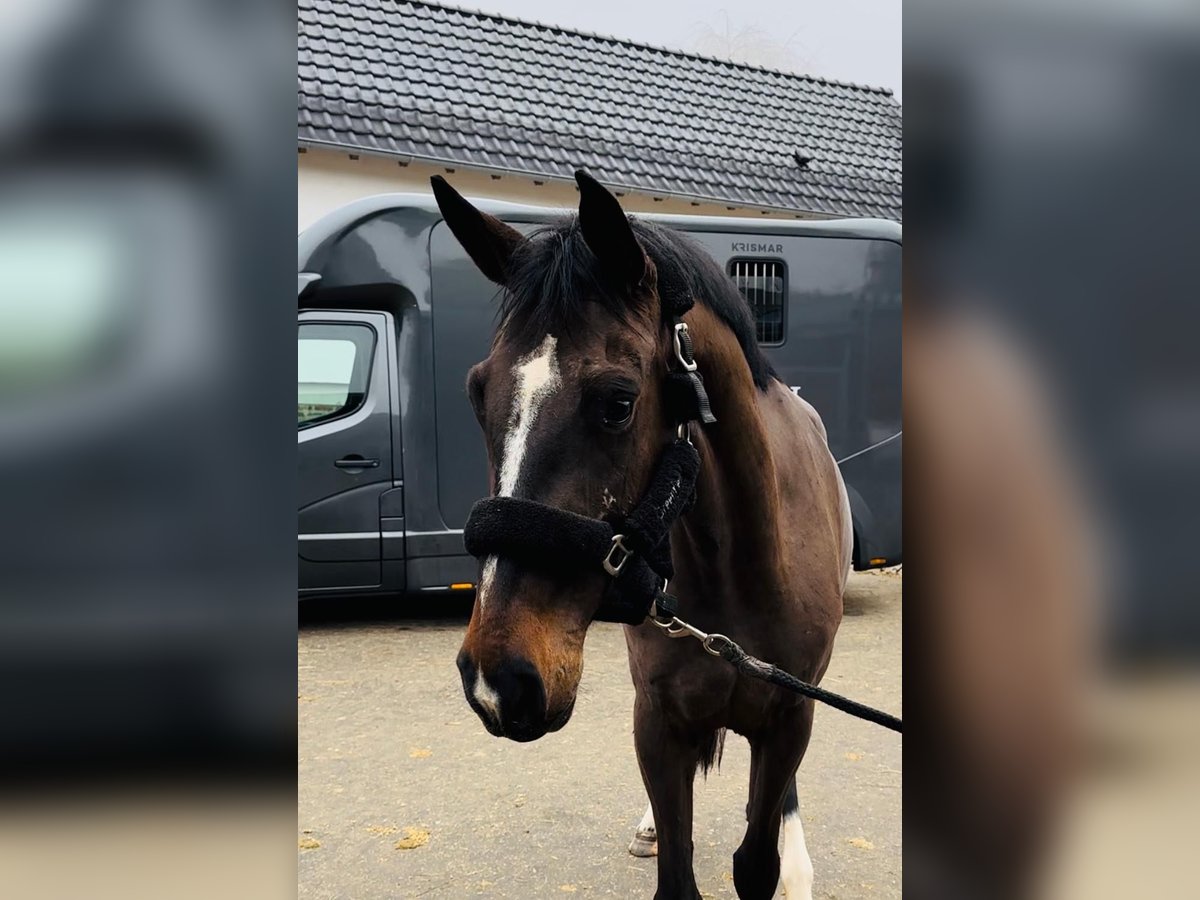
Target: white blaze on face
[796,868]
[537,378]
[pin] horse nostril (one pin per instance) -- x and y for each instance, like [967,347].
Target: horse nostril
[522,699]
[466,671]
[466,668]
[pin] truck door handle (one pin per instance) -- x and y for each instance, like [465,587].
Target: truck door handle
[354,461]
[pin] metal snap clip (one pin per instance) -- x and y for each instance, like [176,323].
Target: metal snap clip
[613,564]
[716,643]
[680,336]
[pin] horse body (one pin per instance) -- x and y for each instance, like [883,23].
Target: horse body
[572,404]
[763,559]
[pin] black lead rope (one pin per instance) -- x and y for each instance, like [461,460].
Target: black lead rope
[730,651]
[756,668]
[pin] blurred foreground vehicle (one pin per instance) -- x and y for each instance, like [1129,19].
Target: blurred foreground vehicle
[142,209]
[1051,388]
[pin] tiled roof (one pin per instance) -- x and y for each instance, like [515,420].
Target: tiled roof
[413,78]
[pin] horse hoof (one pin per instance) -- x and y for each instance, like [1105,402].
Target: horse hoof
[645,843]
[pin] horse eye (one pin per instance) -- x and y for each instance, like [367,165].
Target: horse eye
[617,411]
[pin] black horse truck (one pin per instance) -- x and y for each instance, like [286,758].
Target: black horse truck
[392,314]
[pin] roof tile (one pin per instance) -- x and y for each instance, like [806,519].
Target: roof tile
[413,77]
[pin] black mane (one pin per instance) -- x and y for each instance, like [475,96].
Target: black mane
[555,272]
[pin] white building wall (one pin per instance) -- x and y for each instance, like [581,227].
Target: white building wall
[328,179]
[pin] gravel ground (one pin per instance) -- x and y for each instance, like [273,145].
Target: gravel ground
[403,793]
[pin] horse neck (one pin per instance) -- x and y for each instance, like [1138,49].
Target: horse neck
[737,508]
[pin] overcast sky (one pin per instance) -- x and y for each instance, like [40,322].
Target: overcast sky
[848,40]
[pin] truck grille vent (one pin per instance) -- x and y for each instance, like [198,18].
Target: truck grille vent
[763,283]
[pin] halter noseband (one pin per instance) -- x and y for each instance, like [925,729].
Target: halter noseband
[634,549]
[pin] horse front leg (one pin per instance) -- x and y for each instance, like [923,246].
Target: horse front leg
[774,759]
[668,765]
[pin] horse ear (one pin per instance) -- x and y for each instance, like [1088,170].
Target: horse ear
[488,241]
[607,232]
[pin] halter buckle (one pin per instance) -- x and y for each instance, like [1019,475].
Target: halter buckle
[614,567]
[685,359]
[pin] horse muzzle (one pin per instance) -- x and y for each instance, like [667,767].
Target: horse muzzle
[510,698]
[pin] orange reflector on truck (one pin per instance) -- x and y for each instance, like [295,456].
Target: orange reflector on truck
[878,561]
[462,586]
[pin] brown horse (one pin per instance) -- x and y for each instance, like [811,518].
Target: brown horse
[572,406]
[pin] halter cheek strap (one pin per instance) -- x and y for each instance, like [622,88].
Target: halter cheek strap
[633,550]
[686,399]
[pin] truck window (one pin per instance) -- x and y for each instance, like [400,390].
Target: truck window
[763,282]
[334,368]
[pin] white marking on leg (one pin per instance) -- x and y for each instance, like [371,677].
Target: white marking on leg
[487,698]
[537,378]
[647,823]
[645,839]
[796,867]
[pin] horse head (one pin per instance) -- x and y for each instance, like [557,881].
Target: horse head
[571,403]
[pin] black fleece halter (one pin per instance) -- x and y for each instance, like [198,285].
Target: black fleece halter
[634,550]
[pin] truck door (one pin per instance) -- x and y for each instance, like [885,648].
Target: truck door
[344,447]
